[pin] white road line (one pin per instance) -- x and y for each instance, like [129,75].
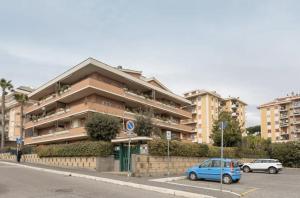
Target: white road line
[168,179]
[118,182]
[206,188]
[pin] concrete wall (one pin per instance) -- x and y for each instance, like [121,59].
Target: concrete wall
[146,165]
[93,163]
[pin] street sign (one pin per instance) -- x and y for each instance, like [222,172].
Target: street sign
[130,125]
[19,140]
[223,124]
[169,135]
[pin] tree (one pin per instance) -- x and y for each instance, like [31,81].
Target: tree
[253,130]
[232,132]
[21,99]
[5,86]
[144,125]
[102,127]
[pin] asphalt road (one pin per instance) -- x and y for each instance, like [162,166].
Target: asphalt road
[18,182]
[286,184]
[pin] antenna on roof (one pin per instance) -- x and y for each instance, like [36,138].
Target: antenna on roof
[119,67]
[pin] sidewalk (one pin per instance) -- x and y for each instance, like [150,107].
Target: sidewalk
[90,174]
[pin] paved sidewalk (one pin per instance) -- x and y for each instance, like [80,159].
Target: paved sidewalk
[136,180]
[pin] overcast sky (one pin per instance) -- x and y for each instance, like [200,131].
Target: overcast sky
[239,48]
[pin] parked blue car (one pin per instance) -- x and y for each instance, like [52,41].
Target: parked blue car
[211,170]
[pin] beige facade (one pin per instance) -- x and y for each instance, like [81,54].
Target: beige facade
[280,119]
[205,108]
[61,106]
[12,114]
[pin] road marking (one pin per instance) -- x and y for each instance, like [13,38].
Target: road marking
[249,191]
[118,182]
[206,188]
[168,179]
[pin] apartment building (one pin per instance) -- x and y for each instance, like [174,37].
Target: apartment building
[280,119]
[61,106]
[205,108]
[12,115]
[237,107]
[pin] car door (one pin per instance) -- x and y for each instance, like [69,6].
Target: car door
[203,170]
[215,170]
[255,165]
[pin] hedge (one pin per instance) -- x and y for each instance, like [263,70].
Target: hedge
[87,148]
[287,153]
[228,152]
[159,147]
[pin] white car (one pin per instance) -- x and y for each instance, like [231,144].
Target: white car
[271,166]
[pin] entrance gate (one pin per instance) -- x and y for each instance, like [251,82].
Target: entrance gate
[134,149]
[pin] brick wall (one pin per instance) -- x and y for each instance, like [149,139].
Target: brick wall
[146,165]
[104,164]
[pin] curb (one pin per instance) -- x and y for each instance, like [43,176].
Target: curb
[117,182]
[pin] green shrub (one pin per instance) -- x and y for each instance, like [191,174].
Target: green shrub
[228,152]
[287,153]
[28,149]
[102,127]
[87,148]
[159,147]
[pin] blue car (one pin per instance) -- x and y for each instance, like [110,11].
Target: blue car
[211,170]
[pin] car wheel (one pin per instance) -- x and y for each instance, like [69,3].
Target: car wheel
[227,179]
[272,170]
[237,181]
[193,176]
[246,169]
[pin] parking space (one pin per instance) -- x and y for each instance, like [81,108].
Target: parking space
[252,185]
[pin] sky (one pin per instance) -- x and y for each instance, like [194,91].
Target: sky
[243,48]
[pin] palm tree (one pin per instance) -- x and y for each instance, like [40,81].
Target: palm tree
[5,86]
[21,99]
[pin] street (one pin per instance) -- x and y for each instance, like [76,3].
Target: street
[21,182]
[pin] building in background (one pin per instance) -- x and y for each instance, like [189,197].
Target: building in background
[205,108]
[61,106]
[12,115]
[280,119]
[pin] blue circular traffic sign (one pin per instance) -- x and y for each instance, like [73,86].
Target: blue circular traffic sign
[129,125]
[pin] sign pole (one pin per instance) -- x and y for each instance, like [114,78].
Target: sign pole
[222,133]
[130,127]
[169,137]
[168,157]
[129,157]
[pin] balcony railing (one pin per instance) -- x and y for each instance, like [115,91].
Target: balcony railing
[162,123]
[297,122]
[156,104]
[68,134]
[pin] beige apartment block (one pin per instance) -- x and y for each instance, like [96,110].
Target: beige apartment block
[205,108]
[12,115]
[61,106]
[280,119]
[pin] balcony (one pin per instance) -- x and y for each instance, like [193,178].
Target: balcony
[296,113]
[296,105]
[282,109]
[284,124]
[76,110]
[283,116]
[156,104]
[79,86]
[106,88]
[189,121]
[70,134]
[234,106]
[162,123]
[296,122]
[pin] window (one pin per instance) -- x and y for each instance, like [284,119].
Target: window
[207,163]
[257,161]
[268,123]
[269,131]
[216,163]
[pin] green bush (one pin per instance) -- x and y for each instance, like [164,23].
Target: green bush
[287,153]
[159,147]
[87,148]
[102,127]
[28,149]
[228,152]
